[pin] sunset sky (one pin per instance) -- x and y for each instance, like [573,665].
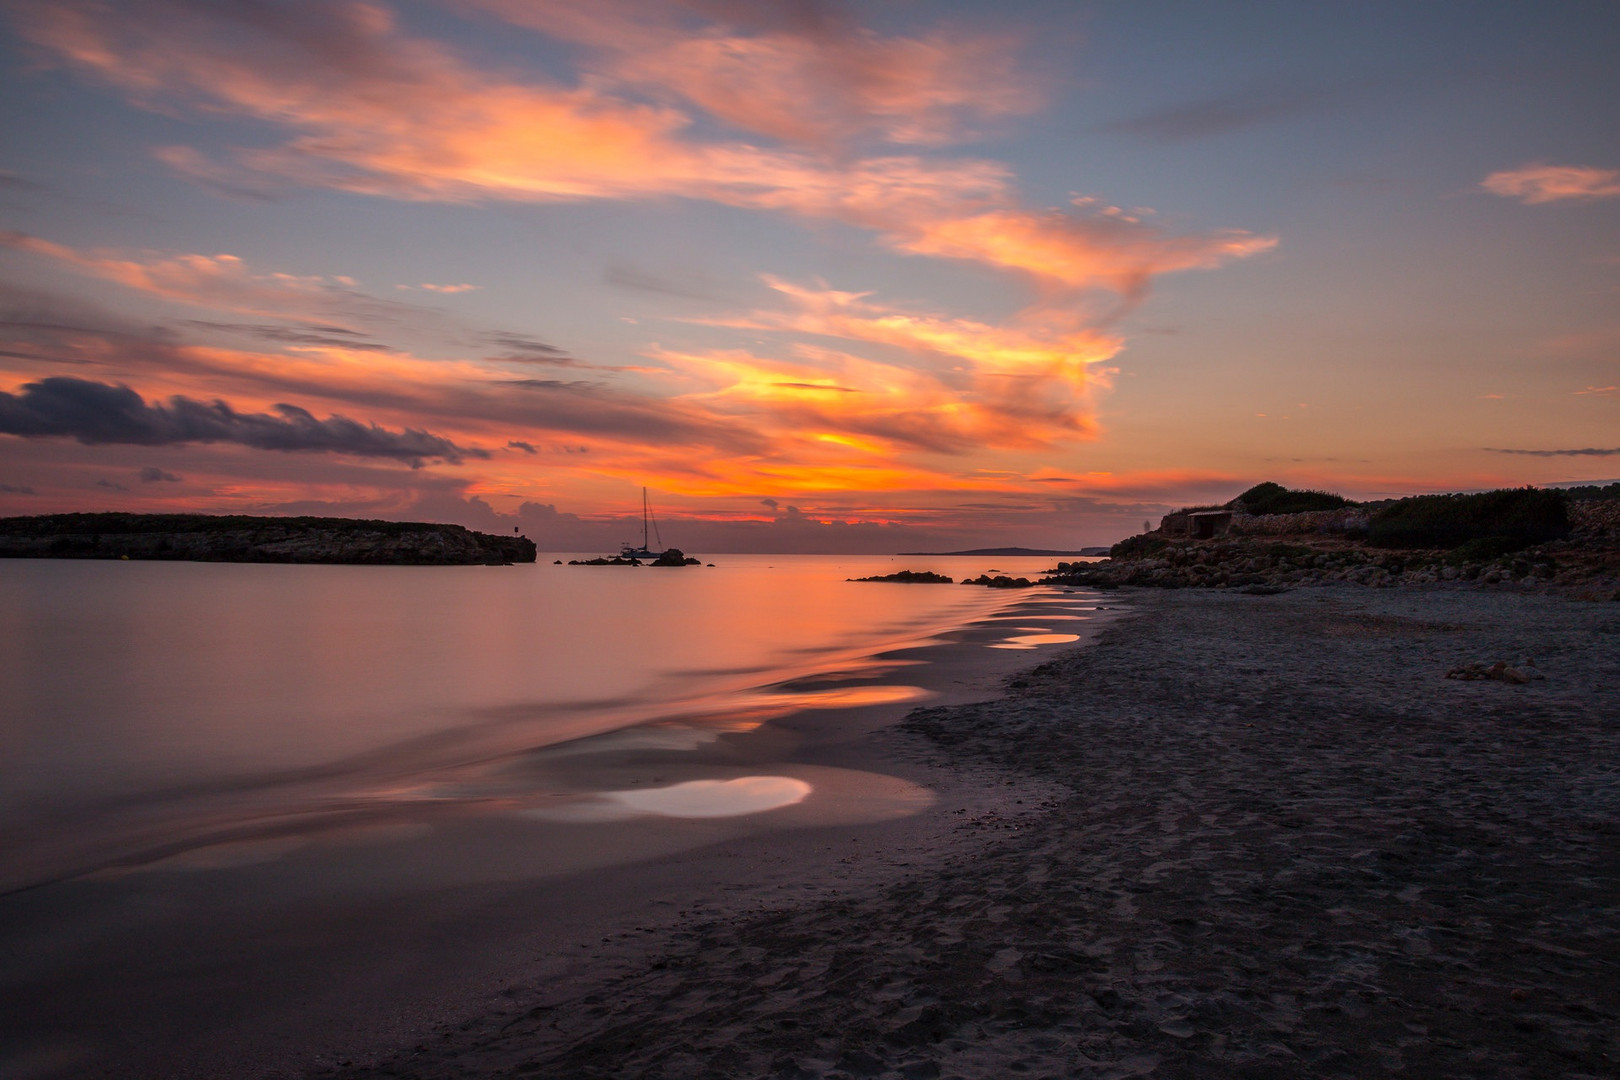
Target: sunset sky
[864,277]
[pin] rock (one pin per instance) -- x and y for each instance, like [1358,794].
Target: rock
[909,577]
[1497,672]
[1000,581]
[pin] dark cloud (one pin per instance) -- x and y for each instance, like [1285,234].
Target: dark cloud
[10,181]
[114,485]
[51,330]
[527,448]
[629,277]
[96,413]
[34,316]
[304,334]
[522,343]
[816,386]
[1584,452]
[523,349]
[1224,113]
[544,384]
[13,489]
[152,475]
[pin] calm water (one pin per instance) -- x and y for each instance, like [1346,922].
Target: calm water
[144,702]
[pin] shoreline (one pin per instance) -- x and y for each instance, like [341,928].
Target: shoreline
[1259,835]
[256,959]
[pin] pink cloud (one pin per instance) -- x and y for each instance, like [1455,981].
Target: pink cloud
[1537,183]
[799,73]
[374,110]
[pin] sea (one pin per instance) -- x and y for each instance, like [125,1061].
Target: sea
[151,709]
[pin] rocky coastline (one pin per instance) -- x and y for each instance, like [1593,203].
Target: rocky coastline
[1271,552]
[237,538]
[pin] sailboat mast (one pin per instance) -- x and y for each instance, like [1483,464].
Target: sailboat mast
[643,519]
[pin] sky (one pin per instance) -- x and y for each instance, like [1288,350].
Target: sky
[878,277]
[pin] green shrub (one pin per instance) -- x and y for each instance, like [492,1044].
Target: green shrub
[1270,498]
[1522,516]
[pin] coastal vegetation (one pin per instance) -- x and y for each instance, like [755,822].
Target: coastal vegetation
[243,538]
[1531,537]
[1497,522]
[1272,498]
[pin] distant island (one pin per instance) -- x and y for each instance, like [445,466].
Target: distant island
[1012,551]
[239,538]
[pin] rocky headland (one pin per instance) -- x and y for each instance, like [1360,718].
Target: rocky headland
[1528,538]
[236,538]
[910,577]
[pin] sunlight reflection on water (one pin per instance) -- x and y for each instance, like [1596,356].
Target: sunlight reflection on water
[691,799]
[1029,641]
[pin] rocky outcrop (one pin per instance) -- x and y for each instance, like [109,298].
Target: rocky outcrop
[672,557]
[1000,581]
[1587,564]
[235,538]
[909,577]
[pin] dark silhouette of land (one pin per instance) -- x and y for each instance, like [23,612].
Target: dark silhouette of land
[239,538]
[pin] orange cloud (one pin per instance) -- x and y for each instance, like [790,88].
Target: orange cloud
[802,74]
[376,111]
[447,289]
[1039,350]
[223,282]
[1101,249]
[1536,183]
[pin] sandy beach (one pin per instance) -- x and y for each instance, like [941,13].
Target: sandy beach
[1236,836]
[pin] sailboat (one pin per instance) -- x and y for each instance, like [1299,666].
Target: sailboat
[642,552]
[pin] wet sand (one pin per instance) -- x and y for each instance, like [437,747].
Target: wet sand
[345,932]
[1238,836]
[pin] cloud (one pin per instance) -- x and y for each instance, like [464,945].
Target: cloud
[1223,113]
[227,283]
[153,475]
[97,413]
[1077,250]
[1585,452]
[630,277]
[372,109]
[1537,183]
[921,381]
[13,489]
[10,181]
[447,289]
[518,444]
[336,337]
[525,349]
[799,73]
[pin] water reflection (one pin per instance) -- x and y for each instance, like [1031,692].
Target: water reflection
[689,799]
[159,706]
[1030,641]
